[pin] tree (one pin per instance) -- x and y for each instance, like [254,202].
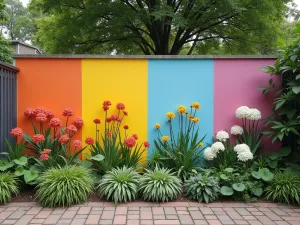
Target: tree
[156,26]
[5,50]
[20,24]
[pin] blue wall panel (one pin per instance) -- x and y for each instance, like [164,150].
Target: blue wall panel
[180,82]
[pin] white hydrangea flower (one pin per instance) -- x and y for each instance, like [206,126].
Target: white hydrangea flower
[222,136]
[254,114]
[242,112]
[236,130]
[245,156]
[209,154]
[217,146]
[241,148]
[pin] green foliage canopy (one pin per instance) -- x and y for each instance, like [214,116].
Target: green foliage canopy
[159,27]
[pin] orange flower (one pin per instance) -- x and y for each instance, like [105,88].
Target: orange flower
[196,105]
[38,138]
[63,139]
[157,126]
[97,121]
[181,109]
[196,120]
[89,141]
[170,115]
[126,127]
[130,142]
[190,117]
[55,123]
[147,144]
[165,138]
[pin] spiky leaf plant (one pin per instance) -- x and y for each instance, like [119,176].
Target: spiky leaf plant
[64,186]
[285,188]
[120,185]
[160,185]
[202,188]
[8,186]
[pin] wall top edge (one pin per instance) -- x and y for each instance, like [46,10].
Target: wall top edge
[90,56]
[8,67]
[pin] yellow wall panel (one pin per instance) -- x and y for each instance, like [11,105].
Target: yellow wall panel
[116,80]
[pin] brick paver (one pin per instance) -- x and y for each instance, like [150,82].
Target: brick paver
[143,213]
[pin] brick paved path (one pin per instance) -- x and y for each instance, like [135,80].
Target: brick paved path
[150,213]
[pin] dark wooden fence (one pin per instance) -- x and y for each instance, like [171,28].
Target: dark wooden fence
[8,102]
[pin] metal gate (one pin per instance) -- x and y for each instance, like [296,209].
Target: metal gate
[8,102]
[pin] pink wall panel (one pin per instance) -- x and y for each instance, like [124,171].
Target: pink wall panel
[235,84]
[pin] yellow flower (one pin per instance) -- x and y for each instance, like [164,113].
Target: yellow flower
[195,120]
[181,109]
[200,144]
[165,138]
[196,105]
[191,117]
[171,115]
[157,125]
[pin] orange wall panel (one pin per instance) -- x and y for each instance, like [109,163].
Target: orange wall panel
[51,83]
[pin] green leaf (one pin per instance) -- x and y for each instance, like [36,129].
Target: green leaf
[87,155]
[256,174]
[239,187]
[265,174]
[296,90]
[298,77]
[224,177]
[5,165]
[86,164]
[257,191]
[19,171]
[227,191]
[30,176]
[98,157]
[285,151]
[229,170]
[21,161]
[272,163]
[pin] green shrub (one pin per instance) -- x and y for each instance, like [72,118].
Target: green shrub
[120,184]
[8,186]
[160,185]
[202,188]
[284,188]
[64,186]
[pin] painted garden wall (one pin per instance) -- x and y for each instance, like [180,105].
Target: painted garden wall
[148,87]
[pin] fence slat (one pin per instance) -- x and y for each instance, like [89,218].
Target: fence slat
[8,102]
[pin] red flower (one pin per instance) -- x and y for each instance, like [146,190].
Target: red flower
[130,142]
[39,110]
[126,127]
[78,122]
[89,141]
[114,117]
[71,129]
[49,114]
[119,119]
[44,157]
[46,151]
[77,143]
[108,119]
[108,133]
[97,121]
[120,106]
[58,134]
[135,136]
[55,123]
[41,117]
[147,144]
[28,112]
[38,138]
[68,112]
[63,139]
[16,132]
[125,113]
[107,103]
[105,107]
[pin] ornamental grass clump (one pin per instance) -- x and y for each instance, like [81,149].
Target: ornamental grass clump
[202,188]
[120,185]
[160,185]
[284,188]
[8,186]
[64,186]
